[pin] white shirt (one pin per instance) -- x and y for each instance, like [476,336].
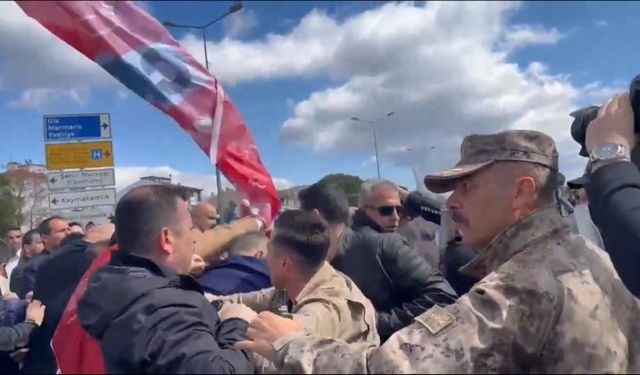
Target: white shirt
[12,263]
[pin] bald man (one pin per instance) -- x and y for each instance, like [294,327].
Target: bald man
[204,216]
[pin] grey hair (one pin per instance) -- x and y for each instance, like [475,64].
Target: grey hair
[367,188]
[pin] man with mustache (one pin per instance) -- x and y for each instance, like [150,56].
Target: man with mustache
[547,301]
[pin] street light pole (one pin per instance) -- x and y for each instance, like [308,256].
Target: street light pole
[375,136]
[235,7]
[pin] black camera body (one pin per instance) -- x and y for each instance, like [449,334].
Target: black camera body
[584,116]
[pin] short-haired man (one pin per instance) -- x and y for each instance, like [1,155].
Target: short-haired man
[53,231]
[13,238]
[205,216]
[327,302]
[243,271]
[147,313]
[400,283]
[31,246]
[547,301]
[379,206]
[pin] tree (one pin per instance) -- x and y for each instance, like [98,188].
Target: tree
[30,189]
[350,184]
[10,205]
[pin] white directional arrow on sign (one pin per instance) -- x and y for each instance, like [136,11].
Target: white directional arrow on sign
[81,179]
[84,198]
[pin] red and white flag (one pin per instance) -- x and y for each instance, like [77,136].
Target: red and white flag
[139,52]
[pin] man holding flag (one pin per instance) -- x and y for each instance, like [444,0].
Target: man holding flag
[136,50]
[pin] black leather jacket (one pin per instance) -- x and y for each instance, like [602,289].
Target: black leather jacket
[400,283]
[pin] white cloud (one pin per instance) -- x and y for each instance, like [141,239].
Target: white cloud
[443,78]
[37,98]
[602,23]
[240,24]
[126,176]
[523,35]
[32,57]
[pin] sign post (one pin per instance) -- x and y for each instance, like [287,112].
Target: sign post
[75,145]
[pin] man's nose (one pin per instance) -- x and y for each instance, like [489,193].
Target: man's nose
[452,202]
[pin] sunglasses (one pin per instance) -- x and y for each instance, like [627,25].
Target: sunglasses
[388,210]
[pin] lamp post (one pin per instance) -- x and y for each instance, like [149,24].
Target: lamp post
[235,7]
[421,164]
[375,137]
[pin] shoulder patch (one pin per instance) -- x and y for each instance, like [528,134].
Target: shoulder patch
[436,319]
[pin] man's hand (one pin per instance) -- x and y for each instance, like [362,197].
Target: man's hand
[35,312]
[197,265]
[29,296]
[236,310]
[19,355]
[266,329]
[614,124]
[211,297]
[101,233]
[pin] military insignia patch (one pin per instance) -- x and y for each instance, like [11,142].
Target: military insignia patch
[436,319]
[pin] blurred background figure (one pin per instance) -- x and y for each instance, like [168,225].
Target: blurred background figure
[90,226]
[204,216]
[31,246]
[244,269]
[75,227]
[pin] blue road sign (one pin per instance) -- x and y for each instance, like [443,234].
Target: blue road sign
[76,127]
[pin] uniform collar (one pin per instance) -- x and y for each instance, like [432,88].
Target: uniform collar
[321,277]
[514,240]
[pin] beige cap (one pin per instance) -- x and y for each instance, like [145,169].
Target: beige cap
[481,150]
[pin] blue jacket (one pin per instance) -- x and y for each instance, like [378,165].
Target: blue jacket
[237,274]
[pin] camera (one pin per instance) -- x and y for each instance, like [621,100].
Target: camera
[584,116]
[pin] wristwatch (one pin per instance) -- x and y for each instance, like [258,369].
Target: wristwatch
[608,151]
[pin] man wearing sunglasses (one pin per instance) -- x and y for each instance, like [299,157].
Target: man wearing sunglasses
[400,283]
[380,206]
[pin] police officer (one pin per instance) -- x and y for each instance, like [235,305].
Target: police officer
[547,301]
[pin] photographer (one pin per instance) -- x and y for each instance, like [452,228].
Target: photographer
[614,186]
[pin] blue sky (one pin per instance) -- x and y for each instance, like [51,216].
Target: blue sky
[299,70]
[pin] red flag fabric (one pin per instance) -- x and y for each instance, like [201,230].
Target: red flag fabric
[139,52]
[76,352]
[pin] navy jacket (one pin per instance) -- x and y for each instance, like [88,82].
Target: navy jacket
[614,202]
[237,274]
[149,320]
[14,333]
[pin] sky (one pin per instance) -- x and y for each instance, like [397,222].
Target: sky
[299,71]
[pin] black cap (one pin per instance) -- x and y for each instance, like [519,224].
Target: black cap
[582,117]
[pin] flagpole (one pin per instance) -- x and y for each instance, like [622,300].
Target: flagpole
[237,6]
[221,216]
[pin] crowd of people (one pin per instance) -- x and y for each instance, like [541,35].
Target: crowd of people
[513,288]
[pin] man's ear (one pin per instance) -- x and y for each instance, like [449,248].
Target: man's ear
[259,254]
[165,241]
[316,212]
[525,194]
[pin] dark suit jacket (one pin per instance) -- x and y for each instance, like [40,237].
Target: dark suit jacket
[30,271]
[56,280]
[614,197]
[16,282]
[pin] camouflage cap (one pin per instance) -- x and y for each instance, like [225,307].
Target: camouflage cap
[481,150]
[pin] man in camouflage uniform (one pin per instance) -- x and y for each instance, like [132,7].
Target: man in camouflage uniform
[546,302]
